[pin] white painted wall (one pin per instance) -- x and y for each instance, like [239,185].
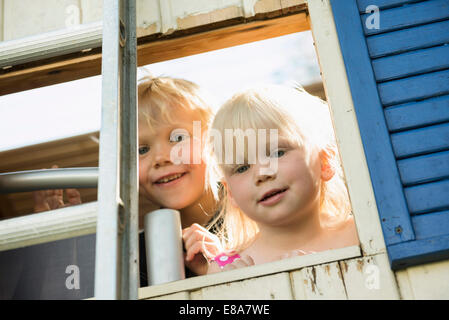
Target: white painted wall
[22,18]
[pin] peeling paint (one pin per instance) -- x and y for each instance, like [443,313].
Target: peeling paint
[195,20]
[360,264]
[148,30]
[183,9]
[248,7]
[313,283]
[328,269]
[345,266]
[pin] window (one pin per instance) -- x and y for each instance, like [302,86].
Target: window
[331,63]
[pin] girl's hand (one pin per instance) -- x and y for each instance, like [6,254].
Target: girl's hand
[45,200]
[201,246]
[242,262]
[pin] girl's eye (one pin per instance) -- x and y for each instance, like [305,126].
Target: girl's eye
[178,137]
[242,168]
[278,153]
[143,150]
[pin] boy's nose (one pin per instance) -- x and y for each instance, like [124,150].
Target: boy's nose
[162,157]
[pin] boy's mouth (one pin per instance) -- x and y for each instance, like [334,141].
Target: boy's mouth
[169,178]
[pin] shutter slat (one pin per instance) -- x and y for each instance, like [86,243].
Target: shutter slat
[407,16]
[423,169]
[417,114]
[414,88]
[421,141]
[419,37]
[411,63]
[382,4]
[431,224]
[428,197]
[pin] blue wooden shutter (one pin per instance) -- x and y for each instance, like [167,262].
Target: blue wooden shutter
[399,80]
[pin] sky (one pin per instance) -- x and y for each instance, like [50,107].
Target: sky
[74,108]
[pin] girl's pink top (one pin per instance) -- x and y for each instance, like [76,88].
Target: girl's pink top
[223,259]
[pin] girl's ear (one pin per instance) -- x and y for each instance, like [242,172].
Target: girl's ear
[327,156]
[229,194]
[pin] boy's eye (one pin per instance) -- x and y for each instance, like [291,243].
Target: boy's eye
[242,168]
[278,153]
[143,150]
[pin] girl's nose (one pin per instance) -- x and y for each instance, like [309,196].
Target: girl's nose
[261,178]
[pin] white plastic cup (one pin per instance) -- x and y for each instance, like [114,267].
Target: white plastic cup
[163,243]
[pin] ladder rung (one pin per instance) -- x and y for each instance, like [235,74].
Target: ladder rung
[48,226]
[63,178]
[51,44]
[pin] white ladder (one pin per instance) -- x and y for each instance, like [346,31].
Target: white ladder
[115,214]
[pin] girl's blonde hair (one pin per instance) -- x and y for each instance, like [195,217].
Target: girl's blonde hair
[158,97]
[302,119]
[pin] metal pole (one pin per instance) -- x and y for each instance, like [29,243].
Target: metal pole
[116,264]
[63,178]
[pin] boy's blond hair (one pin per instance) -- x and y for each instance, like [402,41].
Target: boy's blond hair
[158,97]
[302,119]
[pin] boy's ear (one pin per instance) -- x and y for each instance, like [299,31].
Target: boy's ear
[326,158]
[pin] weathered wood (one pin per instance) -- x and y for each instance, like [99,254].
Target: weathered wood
[404,286]
[279,266]
[369,278]
[321,282]
[430,281]
[272,287]
[175,296]
[157,49]
[346,128]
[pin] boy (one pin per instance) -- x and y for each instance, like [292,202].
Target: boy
[169,109]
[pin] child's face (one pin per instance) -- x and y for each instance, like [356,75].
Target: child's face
[294,187]
[170,185]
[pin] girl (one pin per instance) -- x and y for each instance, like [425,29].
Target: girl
[297,205]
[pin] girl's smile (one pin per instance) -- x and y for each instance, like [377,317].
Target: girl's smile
[272,197]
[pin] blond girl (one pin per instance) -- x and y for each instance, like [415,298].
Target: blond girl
[293,202]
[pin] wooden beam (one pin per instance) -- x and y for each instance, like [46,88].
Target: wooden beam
[156,49]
